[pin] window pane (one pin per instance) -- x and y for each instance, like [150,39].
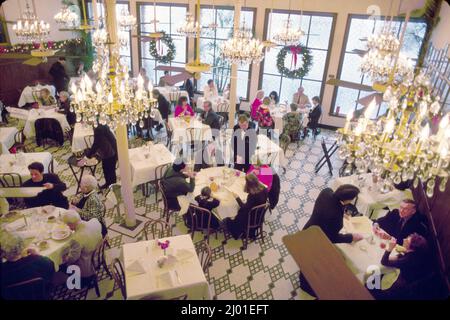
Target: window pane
[346,100]
[350,68]
[312,88]
[270,83]
[270,61]
[288,88]
[319,58]
[319,26]
[359,28]
[149,66]
[180,47]
[242,83]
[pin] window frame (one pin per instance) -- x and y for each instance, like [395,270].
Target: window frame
[139,23]
[332,15]
[344,52]
[231,8]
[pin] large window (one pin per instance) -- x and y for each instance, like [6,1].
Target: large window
[125,52]
[358,29]
[318,29]
[210,42]
[169,18]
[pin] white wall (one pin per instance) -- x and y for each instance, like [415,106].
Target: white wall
[48,8]
[441,35]
[45,10]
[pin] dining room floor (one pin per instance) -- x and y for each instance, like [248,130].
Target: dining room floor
[265,270]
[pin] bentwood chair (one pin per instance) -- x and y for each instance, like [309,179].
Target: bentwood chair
[10,180]
[198,222]
[119,277]
[166,211]
[204,255]
[223,110]
[255,224]
[19,141]
[98,259]
[157,229]
[159,173]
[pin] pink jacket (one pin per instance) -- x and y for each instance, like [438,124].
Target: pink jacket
[179,111]
[254,109]
[264,174]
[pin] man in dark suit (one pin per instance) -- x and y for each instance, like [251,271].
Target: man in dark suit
[209,117]
[60,77]
[163,106]
[313,117]
[189,87]
[243,143]
[175,184]
[400,223]
[328,214]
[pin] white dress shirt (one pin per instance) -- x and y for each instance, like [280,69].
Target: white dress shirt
[209,93]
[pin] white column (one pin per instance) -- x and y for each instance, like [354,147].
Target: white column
[121,131]
[234,67]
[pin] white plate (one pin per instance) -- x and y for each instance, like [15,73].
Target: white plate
[60,234]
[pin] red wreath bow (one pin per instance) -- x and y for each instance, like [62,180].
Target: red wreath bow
[295,51]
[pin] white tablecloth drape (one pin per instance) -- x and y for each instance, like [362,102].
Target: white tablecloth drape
[144,160]
[18,163]
[370,198]
[181,275]
[7,138]
[80,132]
[27,93]
[227,179]
[179,126]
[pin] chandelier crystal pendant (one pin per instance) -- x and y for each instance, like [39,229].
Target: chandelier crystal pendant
[400,146]
[29,29]
[243,49]
[190,28]
[111,99]
[127,21]
[67,18]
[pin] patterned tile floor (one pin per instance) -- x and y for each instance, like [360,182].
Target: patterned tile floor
[265,270]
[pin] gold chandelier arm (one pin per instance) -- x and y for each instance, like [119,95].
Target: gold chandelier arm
[197,45]
[83,6]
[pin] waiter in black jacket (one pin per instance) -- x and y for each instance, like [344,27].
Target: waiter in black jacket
[244,141]
[60,77]
[104,148]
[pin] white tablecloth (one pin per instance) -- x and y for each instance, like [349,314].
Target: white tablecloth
[180,133]
[370,198]
[214,101]
[144,160]
[184,275]
[18,163]
[27,94]
[79,133]
[228,207]
[364,256]
[7,138]
[35,114]
[170,93]
[37,225]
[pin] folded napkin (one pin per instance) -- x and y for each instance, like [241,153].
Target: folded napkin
[16,225]
[137,267]
[166,279]
[184,254]
[27,234]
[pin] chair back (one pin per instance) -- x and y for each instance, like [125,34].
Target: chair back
[223,107]
[221,121]
[256,217]
[164,197]
[174,96]
[10,180]
[51,167]
[157,229]
[98,256]
[19,141]
[161,170]
[115,190]
[198,223]
[119,277]
[33,289]
[285,140]
[194,134]
[204,254]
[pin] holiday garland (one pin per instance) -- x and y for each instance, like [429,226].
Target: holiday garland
[297,73]
[27,47]
[163,58]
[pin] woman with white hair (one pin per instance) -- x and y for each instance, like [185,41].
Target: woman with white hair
[85,239]
[255,105]
[90,205]
[21,265]
[64,106]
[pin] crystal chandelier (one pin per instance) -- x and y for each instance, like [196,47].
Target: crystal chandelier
[113,100]
[242,48]
[190,27]
[400,146]
[29,28]
[382,63]
[67,18]
[127,21]
[288,36]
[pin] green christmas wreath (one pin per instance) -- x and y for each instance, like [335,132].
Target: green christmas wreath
[169,56]
[298,52]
